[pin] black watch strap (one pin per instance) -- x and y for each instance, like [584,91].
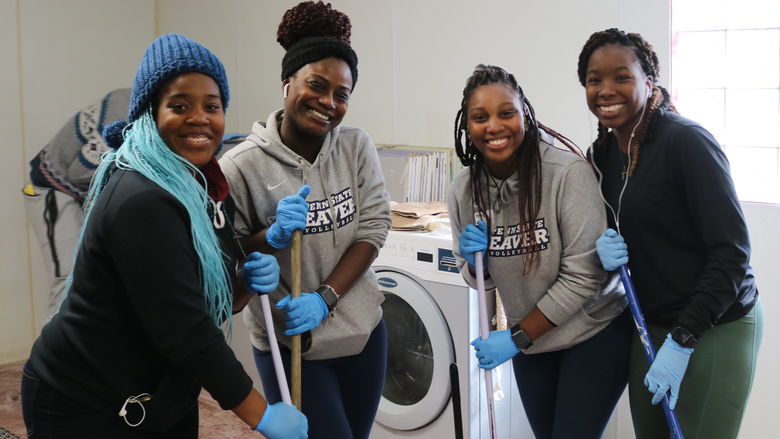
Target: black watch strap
[329,295]
[520,337]
[684,337]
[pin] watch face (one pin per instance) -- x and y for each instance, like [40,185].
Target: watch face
[521,339]
[330,296]
[683,338]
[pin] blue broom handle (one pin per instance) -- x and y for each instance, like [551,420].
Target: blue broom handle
[644,337]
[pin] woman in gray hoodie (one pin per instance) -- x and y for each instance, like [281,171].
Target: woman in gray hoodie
[339,201]
[534,212]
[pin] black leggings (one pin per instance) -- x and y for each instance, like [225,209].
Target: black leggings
[50,414]
[571,393]
[340,396]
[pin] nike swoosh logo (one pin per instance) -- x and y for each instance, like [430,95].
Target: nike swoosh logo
[270,188]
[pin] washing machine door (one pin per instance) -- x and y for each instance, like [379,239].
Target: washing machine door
[419,353]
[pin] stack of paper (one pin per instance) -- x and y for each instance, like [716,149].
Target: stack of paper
[417,217]
[427,176]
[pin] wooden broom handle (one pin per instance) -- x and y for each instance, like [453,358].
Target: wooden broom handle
[295,291]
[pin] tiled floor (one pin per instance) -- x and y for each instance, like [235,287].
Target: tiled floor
[215,423]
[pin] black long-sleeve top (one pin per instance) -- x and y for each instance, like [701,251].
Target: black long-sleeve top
[135,319]
[688,243]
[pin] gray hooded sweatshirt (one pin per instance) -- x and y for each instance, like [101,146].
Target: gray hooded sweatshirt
[347,204]
[566,283]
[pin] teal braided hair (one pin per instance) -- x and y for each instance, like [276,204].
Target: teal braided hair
[144,151]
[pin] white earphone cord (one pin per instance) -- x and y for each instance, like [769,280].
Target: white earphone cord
[138,399]
[616,215]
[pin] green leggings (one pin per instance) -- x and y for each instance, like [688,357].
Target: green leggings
[716,386]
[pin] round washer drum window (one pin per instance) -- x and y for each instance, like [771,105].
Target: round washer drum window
[409,353]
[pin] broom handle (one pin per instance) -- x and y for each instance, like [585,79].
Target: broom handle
[281,379]
[644,338]
[484,333]
[296,339]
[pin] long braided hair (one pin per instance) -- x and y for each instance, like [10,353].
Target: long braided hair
[527,163]
[648,61]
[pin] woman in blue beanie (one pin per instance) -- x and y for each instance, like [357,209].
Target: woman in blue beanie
[323,178]
[138,334]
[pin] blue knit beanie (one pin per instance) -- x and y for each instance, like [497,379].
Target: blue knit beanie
[166,57]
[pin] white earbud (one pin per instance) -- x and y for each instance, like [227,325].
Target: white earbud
[139,399]
[284,91]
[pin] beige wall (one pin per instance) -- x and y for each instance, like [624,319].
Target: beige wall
[57,57]
[414,57]
[16,314]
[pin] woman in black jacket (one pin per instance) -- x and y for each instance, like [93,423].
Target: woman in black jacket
[138,333]
[671,204]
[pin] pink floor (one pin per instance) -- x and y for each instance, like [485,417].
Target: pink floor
[214,422]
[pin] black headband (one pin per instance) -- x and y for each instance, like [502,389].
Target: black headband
[311,49]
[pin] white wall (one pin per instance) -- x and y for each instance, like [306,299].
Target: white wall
[15,298]
[244,37]
[761,420]
[57,57]
[414,59]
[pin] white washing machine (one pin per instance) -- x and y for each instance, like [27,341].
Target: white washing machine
[431,317]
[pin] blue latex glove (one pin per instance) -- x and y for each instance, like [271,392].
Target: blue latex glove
[283,421]
[473,239]
[291,213]
[303,313]
[612,250]
[495,350]
[261,273]
[667,371]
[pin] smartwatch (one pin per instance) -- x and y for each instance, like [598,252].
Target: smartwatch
[683,337]
[520,337]
[329,295]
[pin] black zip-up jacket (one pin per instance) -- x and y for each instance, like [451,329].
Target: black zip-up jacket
[135,319]
[688,245]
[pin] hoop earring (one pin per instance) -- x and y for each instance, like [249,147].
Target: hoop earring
[285,90]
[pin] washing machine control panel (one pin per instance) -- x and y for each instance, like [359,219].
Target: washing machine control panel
[420,252]
[447,261]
